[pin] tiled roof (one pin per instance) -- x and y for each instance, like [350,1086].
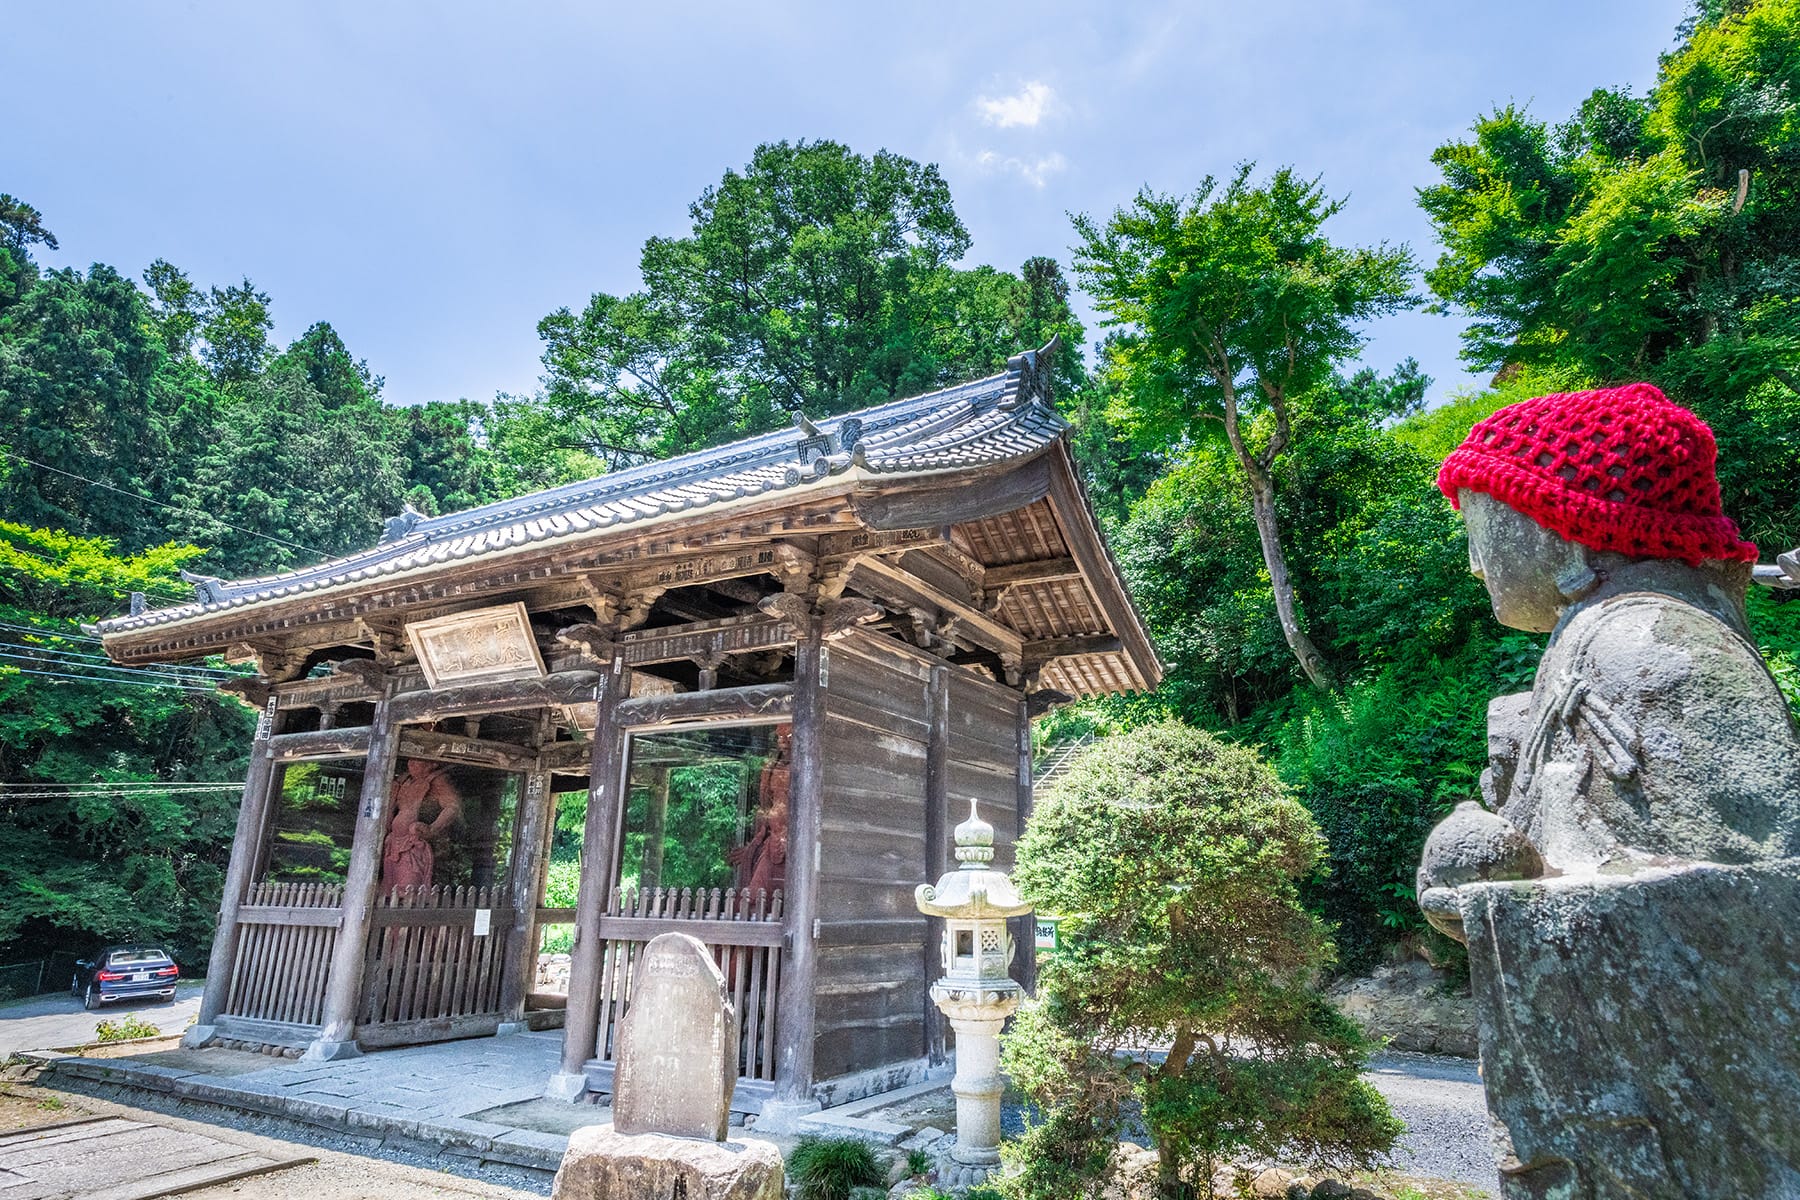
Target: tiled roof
[999,419]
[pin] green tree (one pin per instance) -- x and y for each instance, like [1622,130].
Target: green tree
[1174,861]
[21,227]
[235,331]
[93,846]
[1651,237]
[81,393]
[1232,303]
[816,280]
[177,305]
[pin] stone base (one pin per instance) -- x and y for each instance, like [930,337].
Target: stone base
[324,1051]
[566,1087]
[603,1164]
[782,1117]
[1638,1031]
[507,1028]
[198,1036]
[953,1175]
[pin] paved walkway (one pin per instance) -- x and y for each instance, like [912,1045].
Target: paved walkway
[440,1096]
[46,1022]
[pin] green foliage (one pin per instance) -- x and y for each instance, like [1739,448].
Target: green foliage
[815,280]
[827,1168]
[125,1029]
[81,865]
[1775,626]
[1174,861]
[1651,237]
[1230,299]
[918,1162]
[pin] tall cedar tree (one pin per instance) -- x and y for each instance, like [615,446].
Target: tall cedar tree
[1232,303]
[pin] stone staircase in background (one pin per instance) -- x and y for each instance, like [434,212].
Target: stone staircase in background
[1048,769]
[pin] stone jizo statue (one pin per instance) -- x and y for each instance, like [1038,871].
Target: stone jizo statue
[1630,895]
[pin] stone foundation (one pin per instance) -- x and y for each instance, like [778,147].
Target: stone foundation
[603,1164]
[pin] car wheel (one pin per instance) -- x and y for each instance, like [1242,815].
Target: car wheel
[90,999]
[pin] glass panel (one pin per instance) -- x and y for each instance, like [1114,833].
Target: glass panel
[449,825]
[315,821]
[707,808]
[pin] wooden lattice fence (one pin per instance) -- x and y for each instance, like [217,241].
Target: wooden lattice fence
[743,931]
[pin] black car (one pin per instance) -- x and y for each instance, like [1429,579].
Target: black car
[125,973]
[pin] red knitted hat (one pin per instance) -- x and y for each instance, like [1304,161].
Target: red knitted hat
[1624,469]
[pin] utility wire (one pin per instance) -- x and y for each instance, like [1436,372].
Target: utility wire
[41,631]
[146,683]
[162,504]
[6,789]
[167,791]
[106,660]
[12,657]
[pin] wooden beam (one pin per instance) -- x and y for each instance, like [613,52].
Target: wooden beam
[455,748]
[720,704]
[1041,652]
[929,503]
[343,994]
[346,742]
[1089,550]
[904,590]
[600,852]
[566,756]
[246,845]
[796,1020]
[525,882]
[475,699]
[727,635]
[937,849]
[1044,570]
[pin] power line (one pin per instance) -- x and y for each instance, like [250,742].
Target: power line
[111,672]
[6,789]
[162,504]
[41,631]
[145,683]
[107,661]
[173,790]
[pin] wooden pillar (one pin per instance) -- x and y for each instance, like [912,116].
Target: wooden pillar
[937,850]
[362,883]
[525,884]
[246,850]
[795,1018]
[600,851]
[1025,931]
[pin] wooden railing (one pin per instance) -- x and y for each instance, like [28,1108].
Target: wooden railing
[429,974]
[286,932]
[744,932]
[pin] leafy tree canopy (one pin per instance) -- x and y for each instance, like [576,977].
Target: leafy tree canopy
[1174,862]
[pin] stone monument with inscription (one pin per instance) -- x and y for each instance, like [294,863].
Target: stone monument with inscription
[1631,903]
[672,1094]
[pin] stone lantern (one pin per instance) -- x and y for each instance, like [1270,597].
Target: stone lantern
[976,992]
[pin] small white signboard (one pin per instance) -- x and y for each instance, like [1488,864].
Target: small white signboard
[484,920]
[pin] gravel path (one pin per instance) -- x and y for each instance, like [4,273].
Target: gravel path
[1445,1110]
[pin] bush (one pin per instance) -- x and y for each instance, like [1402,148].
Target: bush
[125,1029]
[827,1168]
[1176,861]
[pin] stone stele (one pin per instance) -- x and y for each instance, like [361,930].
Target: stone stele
[604,1164]
[678,1051]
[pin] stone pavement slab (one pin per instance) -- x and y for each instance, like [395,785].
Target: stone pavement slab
[111,1158]
[428,1095]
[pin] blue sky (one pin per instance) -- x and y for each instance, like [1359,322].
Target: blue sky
[434,178]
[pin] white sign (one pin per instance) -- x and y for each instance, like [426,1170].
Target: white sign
[484,920]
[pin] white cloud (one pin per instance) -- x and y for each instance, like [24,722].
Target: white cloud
[1035,171]
[1031,104]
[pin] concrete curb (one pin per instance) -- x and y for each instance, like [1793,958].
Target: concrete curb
[482,1141]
